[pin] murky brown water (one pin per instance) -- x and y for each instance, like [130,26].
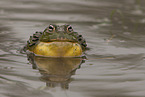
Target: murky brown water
[114,30]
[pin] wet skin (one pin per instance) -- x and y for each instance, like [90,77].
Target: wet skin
[57,41]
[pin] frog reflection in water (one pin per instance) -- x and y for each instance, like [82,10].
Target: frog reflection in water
[57,41]
[56,71]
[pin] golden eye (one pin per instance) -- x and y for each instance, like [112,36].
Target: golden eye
[69,28]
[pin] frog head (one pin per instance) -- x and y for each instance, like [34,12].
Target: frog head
[59,41]
[59,33]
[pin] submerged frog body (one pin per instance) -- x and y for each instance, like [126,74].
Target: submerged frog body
[57,41]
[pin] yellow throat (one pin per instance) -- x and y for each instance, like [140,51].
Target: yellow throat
[58,49]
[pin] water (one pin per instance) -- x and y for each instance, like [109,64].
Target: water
[114,30]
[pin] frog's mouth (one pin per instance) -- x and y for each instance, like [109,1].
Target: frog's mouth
[63,40]
[60,39]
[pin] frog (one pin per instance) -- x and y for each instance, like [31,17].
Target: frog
[57,41]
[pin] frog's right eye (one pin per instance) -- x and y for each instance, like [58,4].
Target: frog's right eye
[51,28]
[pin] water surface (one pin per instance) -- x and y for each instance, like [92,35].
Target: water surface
[114,30]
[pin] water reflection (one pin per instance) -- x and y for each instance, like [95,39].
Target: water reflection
[55,71]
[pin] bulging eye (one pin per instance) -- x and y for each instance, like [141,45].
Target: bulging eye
[69,28]
[51,28]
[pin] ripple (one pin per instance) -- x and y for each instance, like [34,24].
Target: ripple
[114,68]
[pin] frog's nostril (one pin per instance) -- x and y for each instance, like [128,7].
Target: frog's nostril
[61,38]
[60,29]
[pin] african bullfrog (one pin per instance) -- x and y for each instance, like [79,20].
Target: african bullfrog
[57,41]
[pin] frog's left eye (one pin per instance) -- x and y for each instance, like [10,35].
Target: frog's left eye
[51,28]
[69,28]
